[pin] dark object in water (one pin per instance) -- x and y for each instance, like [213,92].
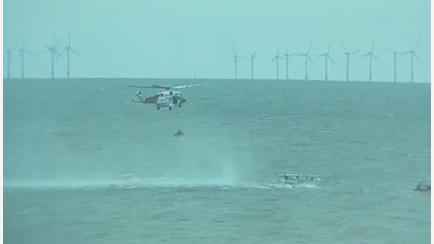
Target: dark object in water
[423,187]
[178,133]
[297,179]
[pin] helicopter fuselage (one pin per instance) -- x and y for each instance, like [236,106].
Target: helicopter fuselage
[164,99]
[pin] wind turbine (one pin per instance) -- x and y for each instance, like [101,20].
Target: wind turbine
[327,57]
[236,57]
[8,64]
[252,65]
[54,53]
[276,59]
[395,61]
[371,55]
[347,58]
[21,53]
[307,58]
[413,55]
[287,55]
[68,50]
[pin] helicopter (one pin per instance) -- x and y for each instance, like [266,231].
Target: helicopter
[166,98]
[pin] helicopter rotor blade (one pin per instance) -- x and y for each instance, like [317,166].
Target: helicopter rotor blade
[185,86]
[152,87]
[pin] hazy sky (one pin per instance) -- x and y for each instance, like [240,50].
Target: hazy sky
[195,38]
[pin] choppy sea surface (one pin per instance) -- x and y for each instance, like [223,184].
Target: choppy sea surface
[84,164]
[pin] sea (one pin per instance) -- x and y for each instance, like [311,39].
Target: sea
[83,163]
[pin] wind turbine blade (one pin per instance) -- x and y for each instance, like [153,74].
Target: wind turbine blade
[309,48]
[417,43]
[73,51]
[355,51]
[310,59]
[375,56]
[69,38]
[404,53]
[366,55]
[330,58]
[343,45]
[328,49]
[372,47]
[417,57]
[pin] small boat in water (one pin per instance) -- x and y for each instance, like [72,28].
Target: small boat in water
[298,179]
[423,187]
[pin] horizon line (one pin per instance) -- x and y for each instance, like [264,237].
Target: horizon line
[233,79]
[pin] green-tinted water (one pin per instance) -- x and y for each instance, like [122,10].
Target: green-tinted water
[125,179]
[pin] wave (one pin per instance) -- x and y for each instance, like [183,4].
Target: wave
[135,183]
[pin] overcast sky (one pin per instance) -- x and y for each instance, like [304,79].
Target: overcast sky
[195,38]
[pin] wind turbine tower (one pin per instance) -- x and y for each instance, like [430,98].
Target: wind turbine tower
[287,55]
[68,50]
[413,55]
[252,65]
[54,53]
[395,55]
[21,53]
[307,59]
[276,59]
[236,57]
[327,57]
[371,55]
[8,64]
[347,61]
[287,65]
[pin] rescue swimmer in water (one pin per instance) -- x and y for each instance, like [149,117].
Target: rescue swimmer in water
[179,133]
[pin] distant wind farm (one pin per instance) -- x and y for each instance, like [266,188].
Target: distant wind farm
[57,50]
